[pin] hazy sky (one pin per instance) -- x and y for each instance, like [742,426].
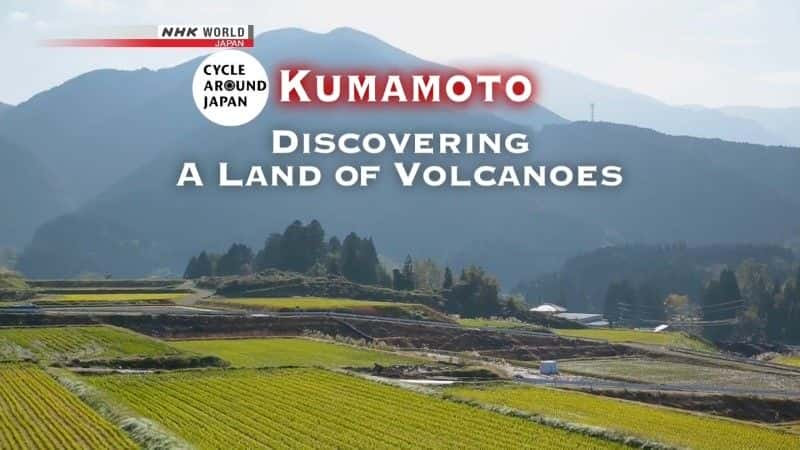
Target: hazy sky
[712,53]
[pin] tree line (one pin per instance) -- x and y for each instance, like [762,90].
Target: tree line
[303,248]
[751,303]
[654,271]
[300,248]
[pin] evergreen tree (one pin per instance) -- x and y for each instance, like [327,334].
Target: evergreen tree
[788,316]
[476,295]
[270,256]
[650,301]
[333,261]
[398,282]
[403,279]
[349,257]
[719,297]
[191,269]
[298,249]
[237,261]
[621,303]
[368,262]
[408,273]
[384,279]
[199,266]
[294,251]
[729,287]
[448,278]
[334,245]
[314,240]
[756,286]
[719,305]
[204,268]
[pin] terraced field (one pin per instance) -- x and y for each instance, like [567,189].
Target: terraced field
[499,323]
[117,298]
[666,372]
[36,412]
[11,280]
[645,421]
[281,408]
[106,284]
[276,352]
[77,342]
[664,338]
[788,360]
[341,305]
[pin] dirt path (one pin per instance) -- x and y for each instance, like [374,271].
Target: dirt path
[196,295]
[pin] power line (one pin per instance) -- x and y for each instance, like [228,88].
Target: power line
[729,308]
[702,323]
[715,305]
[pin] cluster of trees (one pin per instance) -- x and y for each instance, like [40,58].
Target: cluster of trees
[633,304]
[423,275]
[237,260]
[476,294]
[766,309]
[300,248]
[755,302]
[583,280]
[303,248]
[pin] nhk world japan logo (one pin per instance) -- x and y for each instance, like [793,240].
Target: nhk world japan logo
[162,36]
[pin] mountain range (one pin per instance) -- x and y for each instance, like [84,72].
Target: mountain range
[28,196]
[570,95]
[779,121]
[113,141]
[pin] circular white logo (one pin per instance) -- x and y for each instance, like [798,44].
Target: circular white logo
[230,88]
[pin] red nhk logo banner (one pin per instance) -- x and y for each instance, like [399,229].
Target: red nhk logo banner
[166,36]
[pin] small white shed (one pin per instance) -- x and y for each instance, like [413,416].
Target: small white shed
[548,368]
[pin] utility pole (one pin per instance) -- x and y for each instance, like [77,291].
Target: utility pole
[591,112]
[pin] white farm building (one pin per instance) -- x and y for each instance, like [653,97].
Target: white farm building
[549,308]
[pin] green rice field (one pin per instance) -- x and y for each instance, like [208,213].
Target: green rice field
[37,413]
[319,304]
[276,352]
[116,298]
[78,342]
[670,426]
[315,408]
